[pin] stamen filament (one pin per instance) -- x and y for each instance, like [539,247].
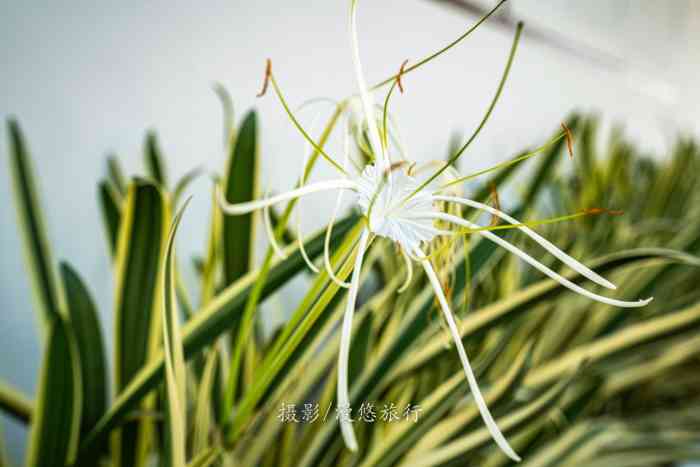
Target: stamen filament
[499,90]
[435,55]
[471,379]
[539,266]
[301,129]
[250,206]
[344,353]
[505,164]
[397,83]
[543,242]
[385,130]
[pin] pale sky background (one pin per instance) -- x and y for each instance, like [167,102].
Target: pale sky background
[86,78]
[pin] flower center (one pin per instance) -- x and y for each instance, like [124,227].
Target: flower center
[388,204]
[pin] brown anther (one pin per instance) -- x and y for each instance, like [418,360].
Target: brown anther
[411,169]
[398,77]
[447,290]
[268,73]
[610,212]
[569,139]
[497,204]
[394,166]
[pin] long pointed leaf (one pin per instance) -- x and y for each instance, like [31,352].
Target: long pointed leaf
[55,427]
[88,336]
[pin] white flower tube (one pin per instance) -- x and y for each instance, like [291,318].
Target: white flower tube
[344,353]
[471,379]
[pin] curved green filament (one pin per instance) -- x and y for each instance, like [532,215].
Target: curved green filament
[385,130]
[501,85]
[466,231]
[434,55]
[296,123]
[505,164]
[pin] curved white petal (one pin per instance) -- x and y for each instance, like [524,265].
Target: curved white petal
[271,234]
[367,106]
[331,222]
[536,264]
[471,379]
[327,242]
[245,208]
[302,182]
[344,354]
[546,244]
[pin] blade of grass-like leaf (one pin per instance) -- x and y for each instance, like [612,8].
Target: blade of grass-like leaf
[16,403]
[502,388]
[375,376]
[56,424]
[481,437]
[111,213]
[137,268]
[46,289]
[247,320]
[115,175]
[383,369]
[435,406]
[153,159]
[211,261]
[206,458]
[184,182]
[307,372]
[237,235]
[206,325]
[88,337]
[203,413]
[554,453]
[239,186]
[175,372]
[633,376]
[274,364]
[229,128]
[649,330]
[527,298]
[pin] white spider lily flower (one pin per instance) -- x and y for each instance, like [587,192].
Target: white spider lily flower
[403,209]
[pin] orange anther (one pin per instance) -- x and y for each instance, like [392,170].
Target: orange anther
[268,73]
[569,139]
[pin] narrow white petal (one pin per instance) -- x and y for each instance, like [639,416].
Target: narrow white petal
[546,244]
[245,208]
[327,242]
[471,379]
[271,234]
[302,182]
[367,106]
[302,249]
[344,354]
[331,222]
[537,265]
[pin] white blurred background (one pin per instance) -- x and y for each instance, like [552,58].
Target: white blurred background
[87,78]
